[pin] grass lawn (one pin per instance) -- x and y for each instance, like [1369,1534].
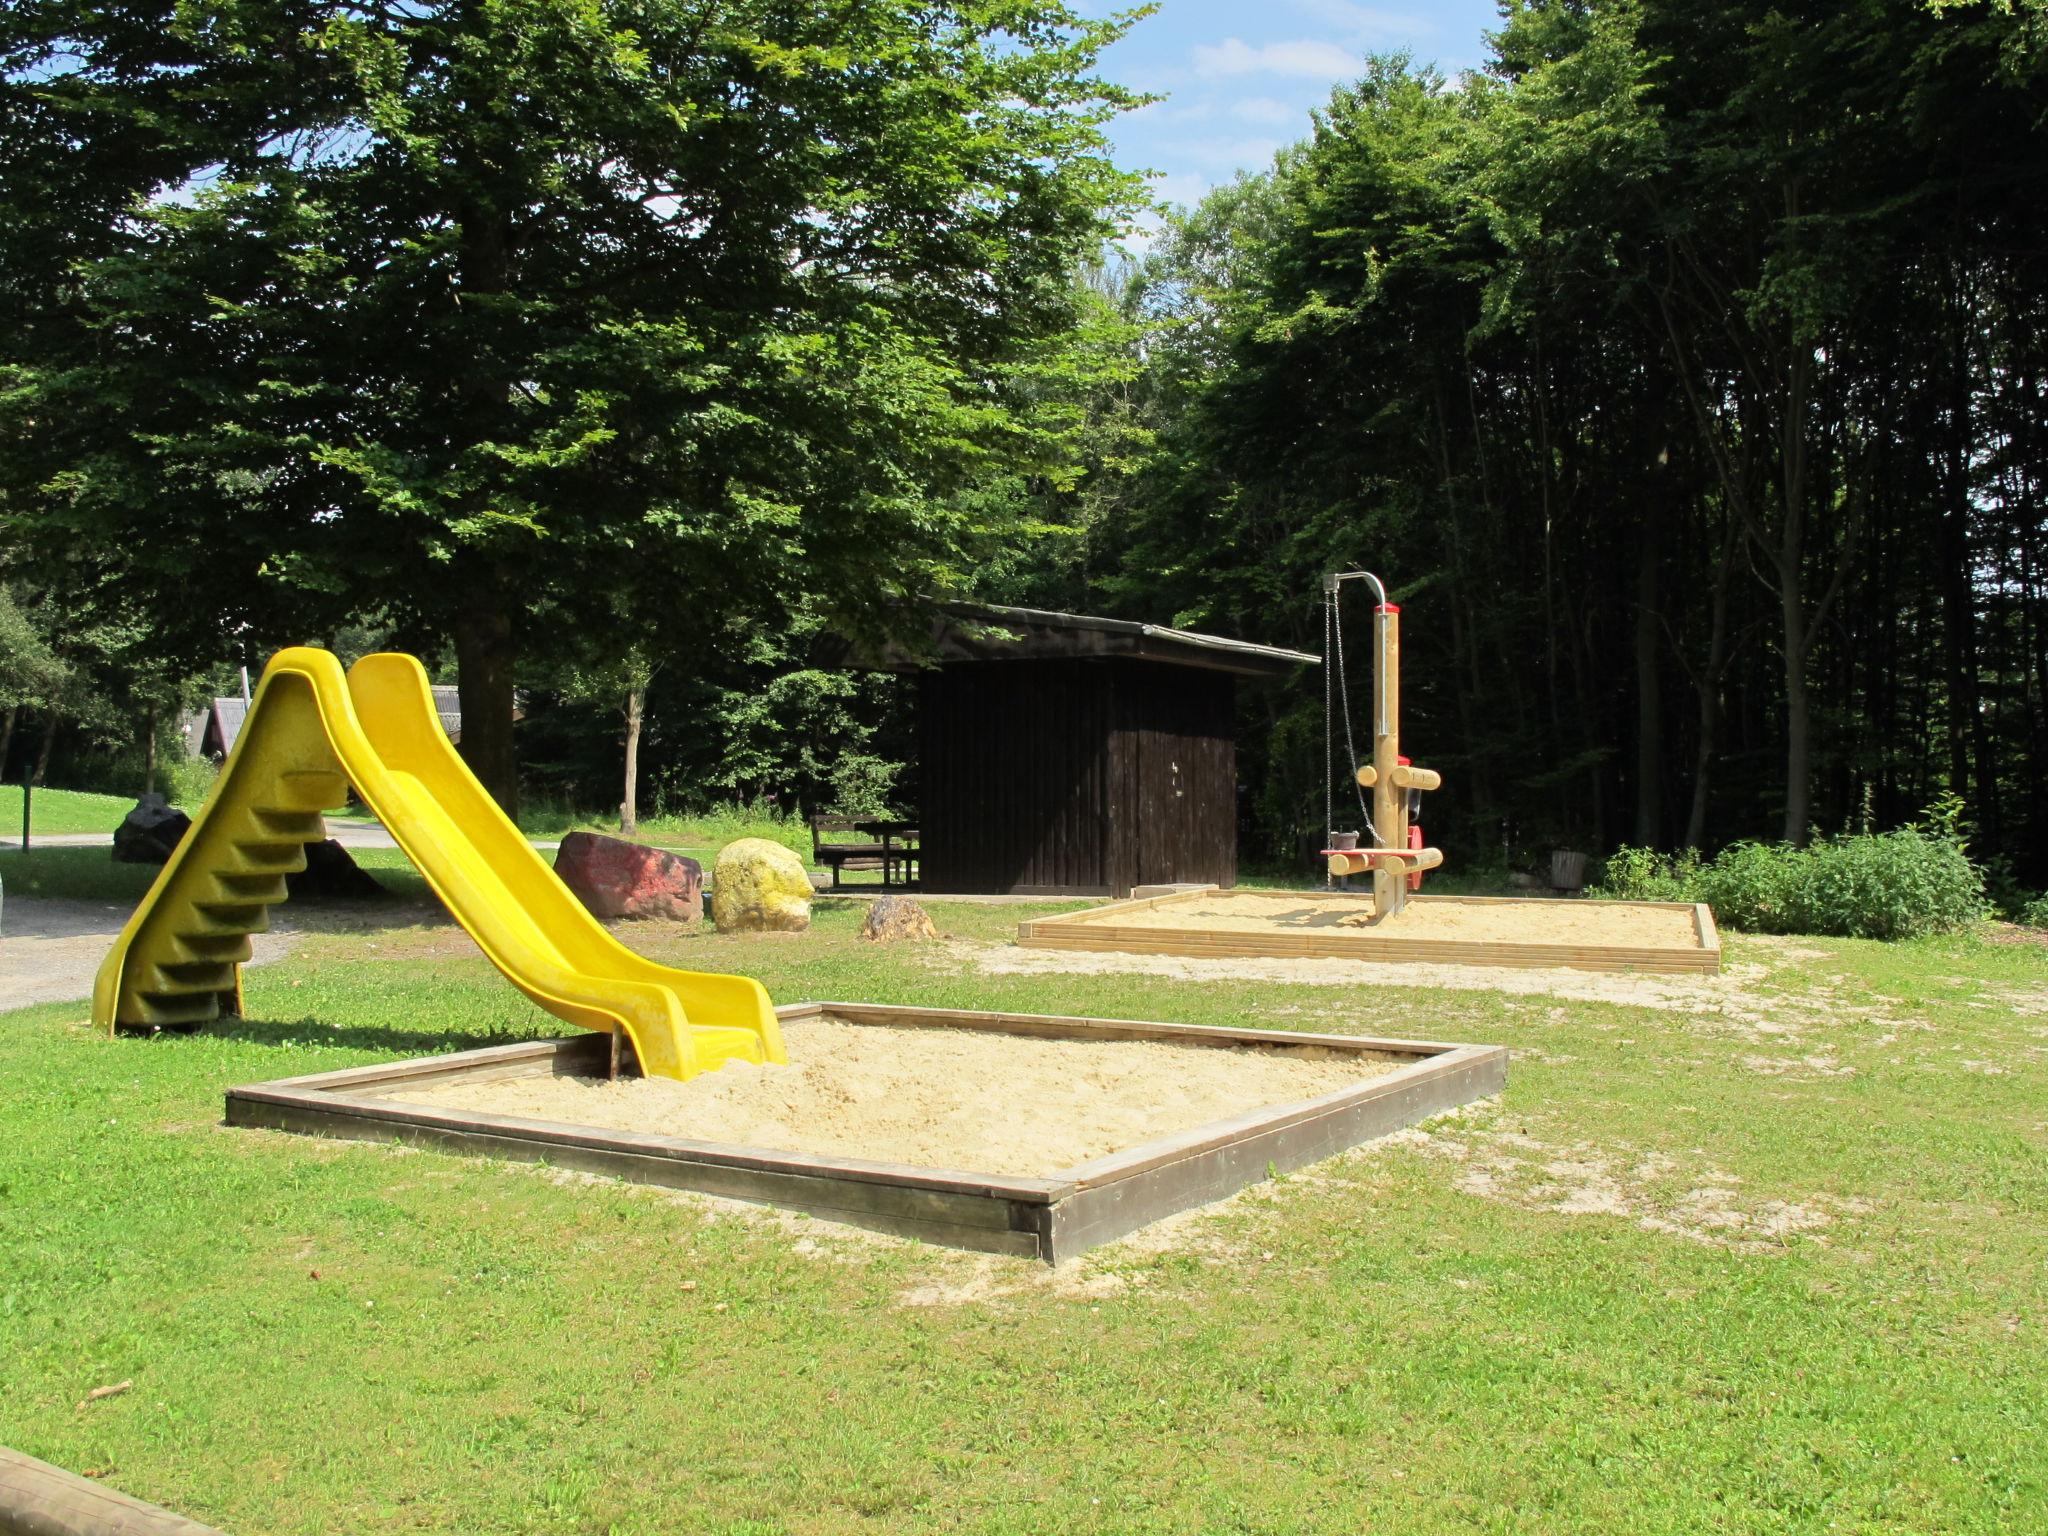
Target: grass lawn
[55,811]
[1768,1256]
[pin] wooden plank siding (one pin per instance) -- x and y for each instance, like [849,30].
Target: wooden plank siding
[1174,752]
[1078,777]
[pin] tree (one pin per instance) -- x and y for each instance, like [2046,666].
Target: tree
[487,300]
[1686,341]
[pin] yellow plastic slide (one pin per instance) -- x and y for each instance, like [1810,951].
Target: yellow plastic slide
[311,732]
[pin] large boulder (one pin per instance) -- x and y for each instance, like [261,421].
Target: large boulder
[150,833]
[897,917]
[332,872]
[616,878]
[758,886]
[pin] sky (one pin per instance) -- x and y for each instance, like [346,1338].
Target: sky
[1241,75]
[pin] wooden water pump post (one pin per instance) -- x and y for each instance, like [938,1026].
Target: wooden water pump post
[1391,779]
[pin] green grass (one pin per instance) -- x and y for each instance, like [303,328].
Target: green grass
[695,835]
[56,811]
[1540,1318]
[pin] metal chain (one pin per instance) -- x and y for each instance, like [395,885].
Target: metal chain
[1337,694]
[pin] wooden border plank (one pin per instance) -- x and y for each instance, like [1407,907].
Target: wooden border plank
[49,1501]
[1102,1213]
[1035,1217]
[1097,931]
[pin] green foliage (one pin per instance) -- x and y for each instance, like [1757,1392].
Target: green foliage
[1754,886]
[1643,874]
[2034,914]
[632,315]
[862,784]
[30,672]
[1903,884]
[185,780]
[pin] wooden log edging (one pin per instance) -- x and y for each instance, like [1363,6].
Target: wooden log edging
[1100,929]
[37,1499]
[1053,1218]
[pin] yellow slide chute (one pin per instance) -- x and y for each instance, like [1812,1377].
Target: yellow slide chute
[312,731]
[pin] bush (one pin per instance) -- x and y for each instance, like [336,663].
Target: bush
[1643,874]
[1893,885]
[1899,885]
[186,781]
[1755,886]
[2034,914]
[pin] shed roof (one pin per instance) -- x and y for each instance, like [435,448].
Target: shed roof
[997,632]
[227,715]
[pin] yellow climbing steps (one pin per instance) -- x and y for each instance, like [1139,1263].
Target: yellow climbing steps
[311,732]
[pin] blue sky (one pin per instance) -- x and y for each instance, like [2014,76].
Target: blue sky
[1241,75]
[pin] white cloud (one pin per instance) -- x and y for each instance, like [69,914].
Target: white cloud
[1268,110]
[1308,58]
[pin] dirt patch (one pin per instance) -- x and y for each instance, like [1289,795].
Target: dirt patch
[1740,1001]
[1646,1188]
[1821,1063]
[1617,923]
[938,1098]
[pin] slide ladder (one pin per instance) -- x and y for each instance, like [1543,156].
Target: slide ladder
[311,732]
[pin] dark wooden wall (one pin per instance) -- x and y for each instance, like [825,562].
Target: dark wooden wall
[1173,757]
[1076,777]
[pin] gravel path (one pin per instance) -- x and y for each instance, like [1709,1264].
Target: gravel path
[51,949]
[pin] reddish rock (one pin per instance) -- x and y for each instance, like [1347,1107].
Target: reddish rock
[616,878]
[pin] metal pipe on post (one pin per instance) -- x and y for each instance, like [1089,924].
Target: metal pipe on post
[1389,795]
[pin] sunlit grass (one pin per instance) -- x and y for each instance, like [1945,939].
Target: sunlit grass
[330,1336]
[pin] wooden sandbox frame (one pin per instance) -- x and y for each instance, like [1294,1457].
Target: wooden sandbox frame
[1052,1218]
[1100,928]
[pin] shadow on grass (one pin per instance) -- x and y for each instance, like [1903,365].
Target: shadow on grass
[297,1034]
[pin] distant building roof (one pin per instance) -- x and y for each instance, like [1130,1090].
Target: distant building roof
[211,731]
[995,632]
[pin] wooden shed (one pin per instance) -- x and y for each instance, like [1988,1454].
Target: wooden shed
[1061,754]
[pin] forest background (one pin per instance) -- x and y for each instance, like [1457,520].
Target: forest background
[1684,370]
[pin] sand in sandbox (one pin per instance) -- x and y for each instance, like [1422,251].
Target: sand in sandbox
[1632,925]
[965,1099]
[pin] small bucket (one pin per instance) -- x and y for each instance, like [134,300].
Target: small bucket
[1343,842]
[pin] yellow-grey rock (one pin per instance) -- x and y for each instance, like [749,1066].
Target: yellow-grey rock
[897,917]
[758,886]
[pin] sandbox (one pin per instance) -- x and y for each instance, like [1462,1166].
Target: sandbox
[1009,1133]
[1667,936]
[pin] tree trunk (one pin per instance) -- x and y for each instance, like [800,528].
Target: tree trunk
[149,751]
[49,741]
[629,808]
[1709,683]
[1649,693]
[7,737]
[484,657]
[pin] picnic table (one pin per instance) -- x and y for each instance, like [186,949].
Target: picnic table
[879,843]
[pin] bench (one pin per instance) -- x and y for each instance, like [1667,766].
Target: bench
[895,855]
[839,856]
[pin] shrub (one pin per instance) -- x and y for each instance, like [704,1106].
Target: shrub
[1643,874]
[1899,885]
[1754,886]
[1894,885]
[2034,914]
[186,781]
